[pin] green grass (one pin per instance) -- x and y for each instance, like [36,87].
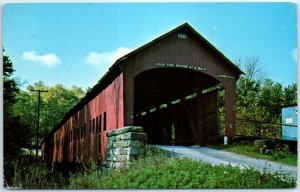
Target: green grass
[252,151]
[154,171]
[28,173]
[180,174]
[157,171]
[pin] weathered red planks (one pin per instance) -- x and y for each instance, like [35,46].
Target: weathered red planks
[175,65]
[83,136]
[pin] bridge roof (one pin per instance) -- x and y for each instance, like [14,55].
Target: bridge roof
[114,70]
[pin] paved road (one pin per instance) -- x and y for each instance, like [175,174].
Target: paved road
[216,157]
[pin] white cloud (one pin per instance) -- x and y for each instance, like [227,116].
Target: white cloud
[106,59]
[295,54]
[49,59]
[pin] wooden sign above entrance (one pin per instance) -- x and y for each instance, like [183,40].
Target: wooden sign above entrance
[184,66]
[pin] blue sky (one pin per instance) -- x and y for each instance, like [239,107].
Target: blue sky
[75,44]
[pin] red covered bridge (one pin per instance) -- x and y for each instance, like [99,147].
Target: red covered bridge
[168,86]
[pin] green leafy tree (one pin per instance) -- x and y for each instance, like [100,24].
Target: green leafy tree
[290,94]
[271,99]
[10,85]
[259,101]
[15,133]
[54,104]
[248,87]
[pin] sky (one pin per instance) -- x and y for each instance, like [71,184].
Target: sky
[75,44]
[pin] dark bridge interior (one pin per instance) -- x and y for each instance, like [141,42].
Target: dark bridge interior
[177,106]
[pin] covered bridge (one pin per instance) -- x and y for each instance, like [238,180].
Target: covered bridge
[168,86]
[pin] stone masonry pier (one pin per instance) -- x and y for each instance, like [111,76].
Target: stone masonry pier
[124,145]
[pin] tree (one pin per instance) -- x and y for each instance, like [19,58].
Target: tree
[290,94]
[15,133]
[259,101]
[271,99]
[10,85]
[55,103]
[249,85]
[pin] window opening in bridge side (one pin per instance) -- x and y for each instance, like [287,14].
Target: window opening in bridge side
[152,109]
[104,121]
[90,126]
[175,101]
[97,124]
[93,131]
[75,133]
[165,105]
[191,96]
[100,123]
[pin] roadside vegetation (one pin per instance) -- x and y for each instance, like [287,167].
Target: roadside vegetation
[28,173]
[157,170]
[282,156]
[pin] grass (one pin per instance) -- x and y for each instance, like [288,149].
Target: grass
[154,171]
[157,171]
[252,151]
[180,174]
[28,173]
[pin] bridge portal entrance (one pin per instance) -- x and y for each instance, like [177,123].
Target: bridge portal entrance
[177,106]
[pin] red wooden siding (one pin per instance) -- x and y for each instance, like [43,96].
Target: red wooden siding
[82,136]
